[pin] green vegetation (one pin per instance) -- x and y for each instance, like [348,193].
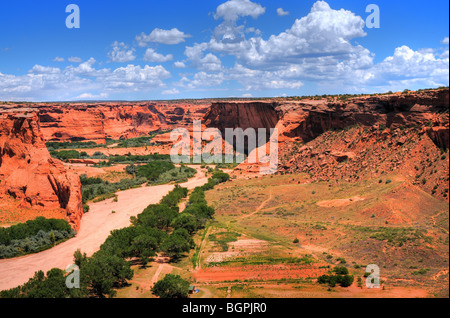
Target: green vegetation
[223,238]
[157,172]
[171,286]
[33,236]
[265,260]
[133,142]
[159,228]
[41,286]
[173,197]
[128,143]
[422,271]
[396,236]
[196,255]
[338,276]
[71,145]
[65,154]
[97,189]
[32,227]
[154,169]
[177,174]
[138,159]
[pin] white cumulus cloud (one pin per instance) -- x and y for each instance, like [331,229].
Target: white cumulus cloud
[281,12]
[234,9]
[152,56]
[173,36]
[75,59]
[121,53]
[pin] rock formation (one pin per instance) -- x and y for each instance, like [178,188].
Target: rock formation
[305,120]
[332,139]
[120,120]
[29,174]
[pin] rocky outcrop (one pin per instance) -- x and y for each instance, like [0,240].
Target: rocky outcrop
[305,120]
[29,174]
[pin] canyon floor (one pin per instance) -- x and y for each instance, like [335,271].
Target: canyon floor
[361,180]
[96,225]
[249,250]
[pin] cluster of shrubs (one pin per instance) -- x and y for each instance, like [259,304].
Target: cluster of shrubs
[153,170]
[33,236]
[135,142]
[138,158]
[177,174]
[161,172]
[216,178]
[70,145]
[339,276]
[173,197]
[159,228]
[65,154]
[98,188]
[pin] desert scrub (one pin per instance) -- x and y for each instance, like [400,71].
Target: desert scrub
[177,174]
[98,190]
[153,170]
[138,158]
[338,276]
[396,236]
[223,238]
[33,236]
[422,271]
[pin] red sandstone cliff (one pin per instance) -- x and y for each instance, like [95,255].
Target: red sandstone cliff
[121,120]
[304,121]
[29,174]
[361,137]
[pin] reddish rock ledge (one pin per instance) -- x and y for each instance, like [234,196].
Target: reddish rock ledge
[29,174]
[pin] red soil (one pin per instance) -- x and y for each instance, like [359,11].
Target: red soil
[258,272]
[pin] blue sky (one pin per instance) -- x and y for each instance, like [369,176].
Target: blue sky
[139,50]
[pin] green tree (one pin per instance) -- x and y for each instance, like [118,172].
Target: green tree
[144,246]
[175,245]
[186,221]
[131,169]
[103,272]
[346,280]
[171,286]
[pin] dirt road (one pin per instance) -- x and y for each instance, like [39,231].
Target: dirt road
[95,228]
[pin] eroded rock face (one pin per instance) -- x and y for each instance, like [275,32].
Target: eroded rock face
[306,120]
[347,140]
[29,174]
[232,115]
[98,121]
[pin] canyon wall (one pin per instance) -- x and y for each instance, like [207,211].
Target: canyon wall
[304,121]
[29,174]
[367,136]
[96,122]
